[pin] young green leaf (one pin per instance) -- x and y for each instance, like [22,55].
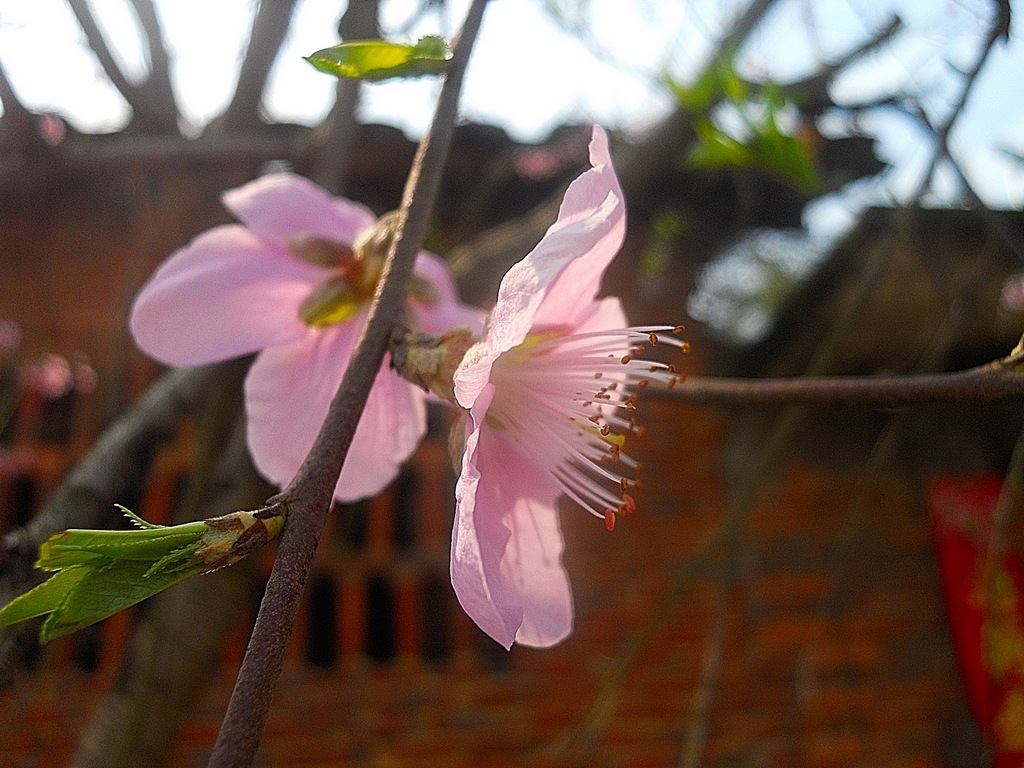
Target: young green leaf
[766,147]
[42,598]
[98,573]
[80,547]
[104,591]
[376,60]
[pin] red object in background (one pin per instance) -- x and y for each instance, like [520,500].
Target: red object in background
[987,627]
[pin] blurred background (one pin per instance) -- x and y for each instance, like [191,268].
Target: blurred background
[812,187]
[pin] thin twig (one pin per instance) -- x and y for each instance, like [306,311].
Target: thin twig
[996,32]
[148,117]
[269,29]
[764,466]
[995,221]
[986,383]
[308,496]
[1006,520]
[582,738]
[714,656]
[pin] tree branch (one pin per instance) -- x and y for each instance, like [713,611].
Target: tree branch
[332,156]
[308,497]
[996,32]
[985,383]
[147,117]
[268,32]
[974,383]
[16,116]
[98,43]
[157,90]
[996,223]
[812,92]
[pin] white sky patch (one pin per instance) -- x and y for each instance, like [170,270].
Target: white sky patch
[528,76]
[206,41]
[41,49]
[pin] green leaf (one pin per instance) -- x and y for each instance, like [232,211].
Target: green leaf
[719,81]
[104,591]
[694,98]
[733,86]
[717,149]
[785,156]
[42,598]
[79,547]
[98,573]
[379,59]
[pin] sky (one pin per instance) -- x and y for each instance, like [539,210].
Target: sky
[528,75]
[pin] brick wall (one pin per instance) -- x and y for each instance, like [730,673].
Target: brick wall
[835,648]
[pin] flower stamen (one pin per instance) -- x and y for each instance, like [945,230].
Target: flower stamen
[541,388]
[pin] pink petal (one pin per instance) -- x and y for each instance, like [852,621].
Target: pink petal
[473,374]
[595,197]
[225,294]
[288,391]
[449,311]
[556,281]
[281,205]
[476,547]
[533,560]
[391,428]
[506,544]
[602,315]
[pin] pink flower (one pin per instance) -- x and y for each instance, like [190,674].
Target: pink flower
[293,282]
[549,397]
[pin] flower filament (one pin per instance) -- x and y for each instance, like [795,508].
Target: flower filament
[570,401]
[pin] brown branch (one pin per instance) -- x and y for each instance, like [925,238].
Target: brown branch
[996,223]
[985,383]
[991,381]
[812,92]
[147,117]
[713,658]
[268,32]
[157,89]
[307,498]
[996,32]
[333,154]
[98,43]
[17,117]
